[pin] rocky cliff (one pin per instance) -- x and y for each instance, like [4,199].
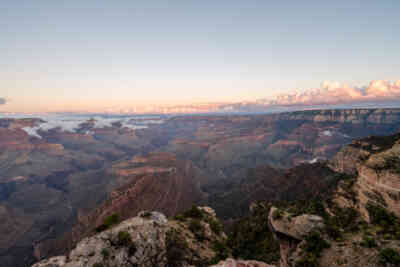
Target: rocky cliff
[357,222]
[149,239]
[375,162]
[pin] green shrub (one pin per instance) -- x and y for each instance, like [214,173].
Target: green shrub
[390,224]
[343,220]
[176,248]
[105,253]
[368,242]
[392,163]
[132,249]
[194,212]
[108,222]
[308,260]
[380,216]
[312,250]
[315,244]
[215,226]
[123,239]
[98,264]
[180,217]
[389,255]
[221,252]
[277,214]
[251,239]
[197,229]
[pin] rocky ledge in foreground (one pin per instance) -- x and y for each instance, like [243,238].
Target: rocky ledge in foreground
[150,239]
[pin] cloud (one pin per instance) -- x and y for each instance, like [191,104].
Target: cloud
[72,124]
[2,101]
[333,92]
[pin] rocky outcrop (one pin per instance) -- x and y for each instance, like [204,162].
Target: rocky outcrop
[367,193]
[297,227]
[139,240]
[375,164]
[291,231]
[147,240]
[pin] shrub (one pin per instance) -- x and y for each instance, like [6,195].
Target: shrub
[194,212]
[390,224]
[197,229]
[221,252]
[392,163]
[389,255]
[309,260]
[98,264]
[132,249]
[380,216]
[312,250]
[315,244]
[108,222]
[180,217]
[277,214]
[105,253]
[215,226]
[176,248]
[344,220]
[123,239]
[251,239]
[368,242]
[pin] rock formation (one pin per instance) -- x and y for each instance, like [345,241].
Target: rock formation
[291,232]
[375,162]
[147,240]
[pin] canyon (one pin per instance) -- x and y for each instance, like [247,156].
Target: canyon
[61,186]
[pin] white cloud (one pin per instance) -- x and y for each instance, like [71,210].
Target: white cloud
[32,131]
[71,123]
[333,92]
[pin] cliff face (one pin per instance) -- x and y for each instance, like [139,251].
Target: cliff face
[158,181]
[283,140]
[306,240]
[358,222]
[353,116]
[375,161]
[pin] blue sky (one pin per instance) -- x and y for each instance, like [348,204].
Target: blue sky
[77,54]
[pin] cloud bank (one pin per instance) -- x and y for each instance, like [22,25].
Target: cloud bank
[73,123]
[332,92]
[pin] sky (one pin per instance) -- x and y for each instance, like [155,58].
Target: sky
[90,55]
